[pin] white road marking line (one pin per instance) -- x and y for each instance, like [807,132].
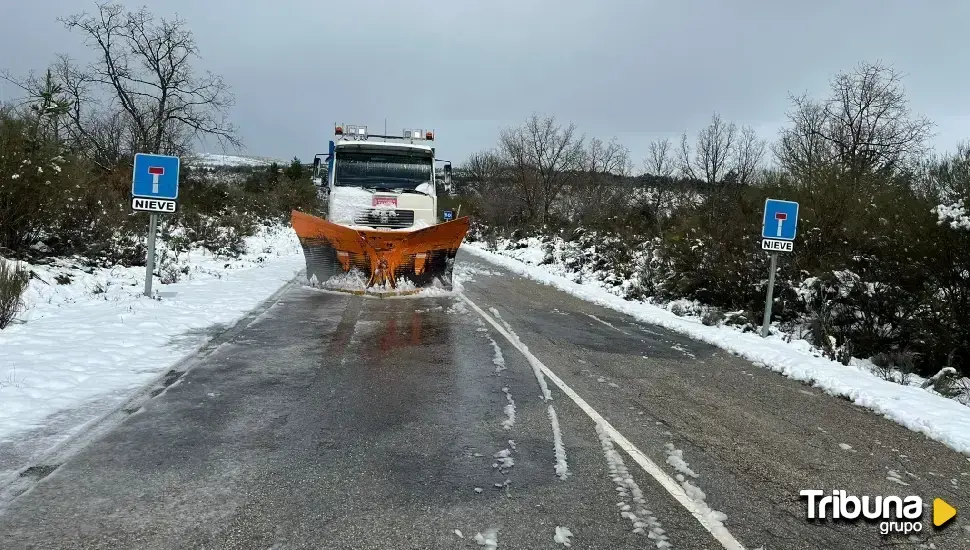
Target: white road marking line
[719,532]
[607,323]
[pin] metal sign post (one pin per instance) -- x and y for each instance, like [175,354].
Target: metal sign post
[771,288]
[150,255]
[154,188]
[778,230]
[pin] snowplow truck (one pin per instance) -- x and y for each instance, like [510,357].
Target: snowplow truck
[381,195]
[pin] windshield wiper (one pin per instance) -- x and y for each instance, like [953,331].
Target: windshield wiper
[409,190]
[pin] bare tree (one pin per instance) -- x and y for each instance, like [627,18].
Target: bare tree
[543,159]
[660,159]
[748,154]
[611,158]
[865,127]
[598,191]
[869,122]
[145,62]
[661,162]
[802,150]
[712,159]
[484,170]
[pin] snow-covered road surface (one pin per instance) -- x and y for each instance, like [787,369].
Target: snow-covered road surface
[343,422]
[86,345]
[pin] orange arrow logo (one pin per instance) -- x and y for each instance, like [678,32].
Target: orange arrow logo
[942,512]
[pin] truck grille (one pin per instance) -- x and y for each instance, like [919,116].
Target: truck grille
[396,219]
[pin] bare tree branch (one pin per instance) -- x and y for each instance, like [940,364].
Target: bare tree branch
[660,159]
[748,153]
[715,146]
[544,158]
[145,62]
[863,128]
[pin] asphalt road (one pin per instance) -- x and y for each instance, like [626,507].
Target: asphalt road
[335,422]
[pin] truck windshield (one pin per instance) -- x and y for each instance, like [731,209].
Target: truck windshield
[381,170]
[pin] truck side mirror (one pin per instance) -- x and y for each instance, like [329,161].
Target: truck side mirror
[448,177]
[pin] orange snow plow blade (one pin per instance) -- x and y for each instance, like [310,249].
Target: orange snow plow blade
[384,256]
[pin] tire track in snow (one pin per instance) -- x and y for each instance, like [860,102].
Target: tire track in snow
[498,359]
[509,410]
[562,468]
[721,534]
[675,458]
[514,339]
[644,522]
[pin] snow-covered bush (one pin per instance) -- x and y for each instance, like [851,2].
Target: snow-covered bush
[954,215]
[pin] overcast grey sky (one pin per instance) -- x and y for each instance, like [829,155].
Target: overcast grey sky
[634,69]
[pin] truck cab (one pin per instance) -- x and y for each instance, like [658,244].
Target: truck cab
[381,182]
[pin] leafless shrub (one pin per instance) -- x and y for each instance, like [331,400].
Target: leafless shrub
[13,284]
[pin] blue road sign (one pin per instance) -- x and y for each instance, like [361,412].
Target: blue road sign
[155,176]
[780,221]
[449,215]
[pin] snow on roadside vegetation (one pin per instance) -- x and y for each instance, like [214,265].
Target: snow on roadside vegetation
[922,410]
[90,334]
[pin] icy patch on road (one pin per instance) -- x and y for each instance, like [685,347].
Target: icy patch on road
[562,469]
[675,457]
[562,536]
[489,539]
[643,520]
[509,421]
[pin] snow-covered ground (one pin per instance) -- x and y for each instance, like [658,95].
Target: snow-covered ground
[92,335]
[921,410]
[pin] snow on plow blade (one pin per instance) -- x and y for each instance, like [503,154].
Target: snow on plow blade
[421,255]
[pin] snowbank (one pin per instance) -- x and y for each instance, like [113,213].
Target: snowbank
[90,334]
[937,417]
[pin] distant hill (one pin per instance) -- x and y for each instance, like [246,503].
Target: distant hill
[213,160]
